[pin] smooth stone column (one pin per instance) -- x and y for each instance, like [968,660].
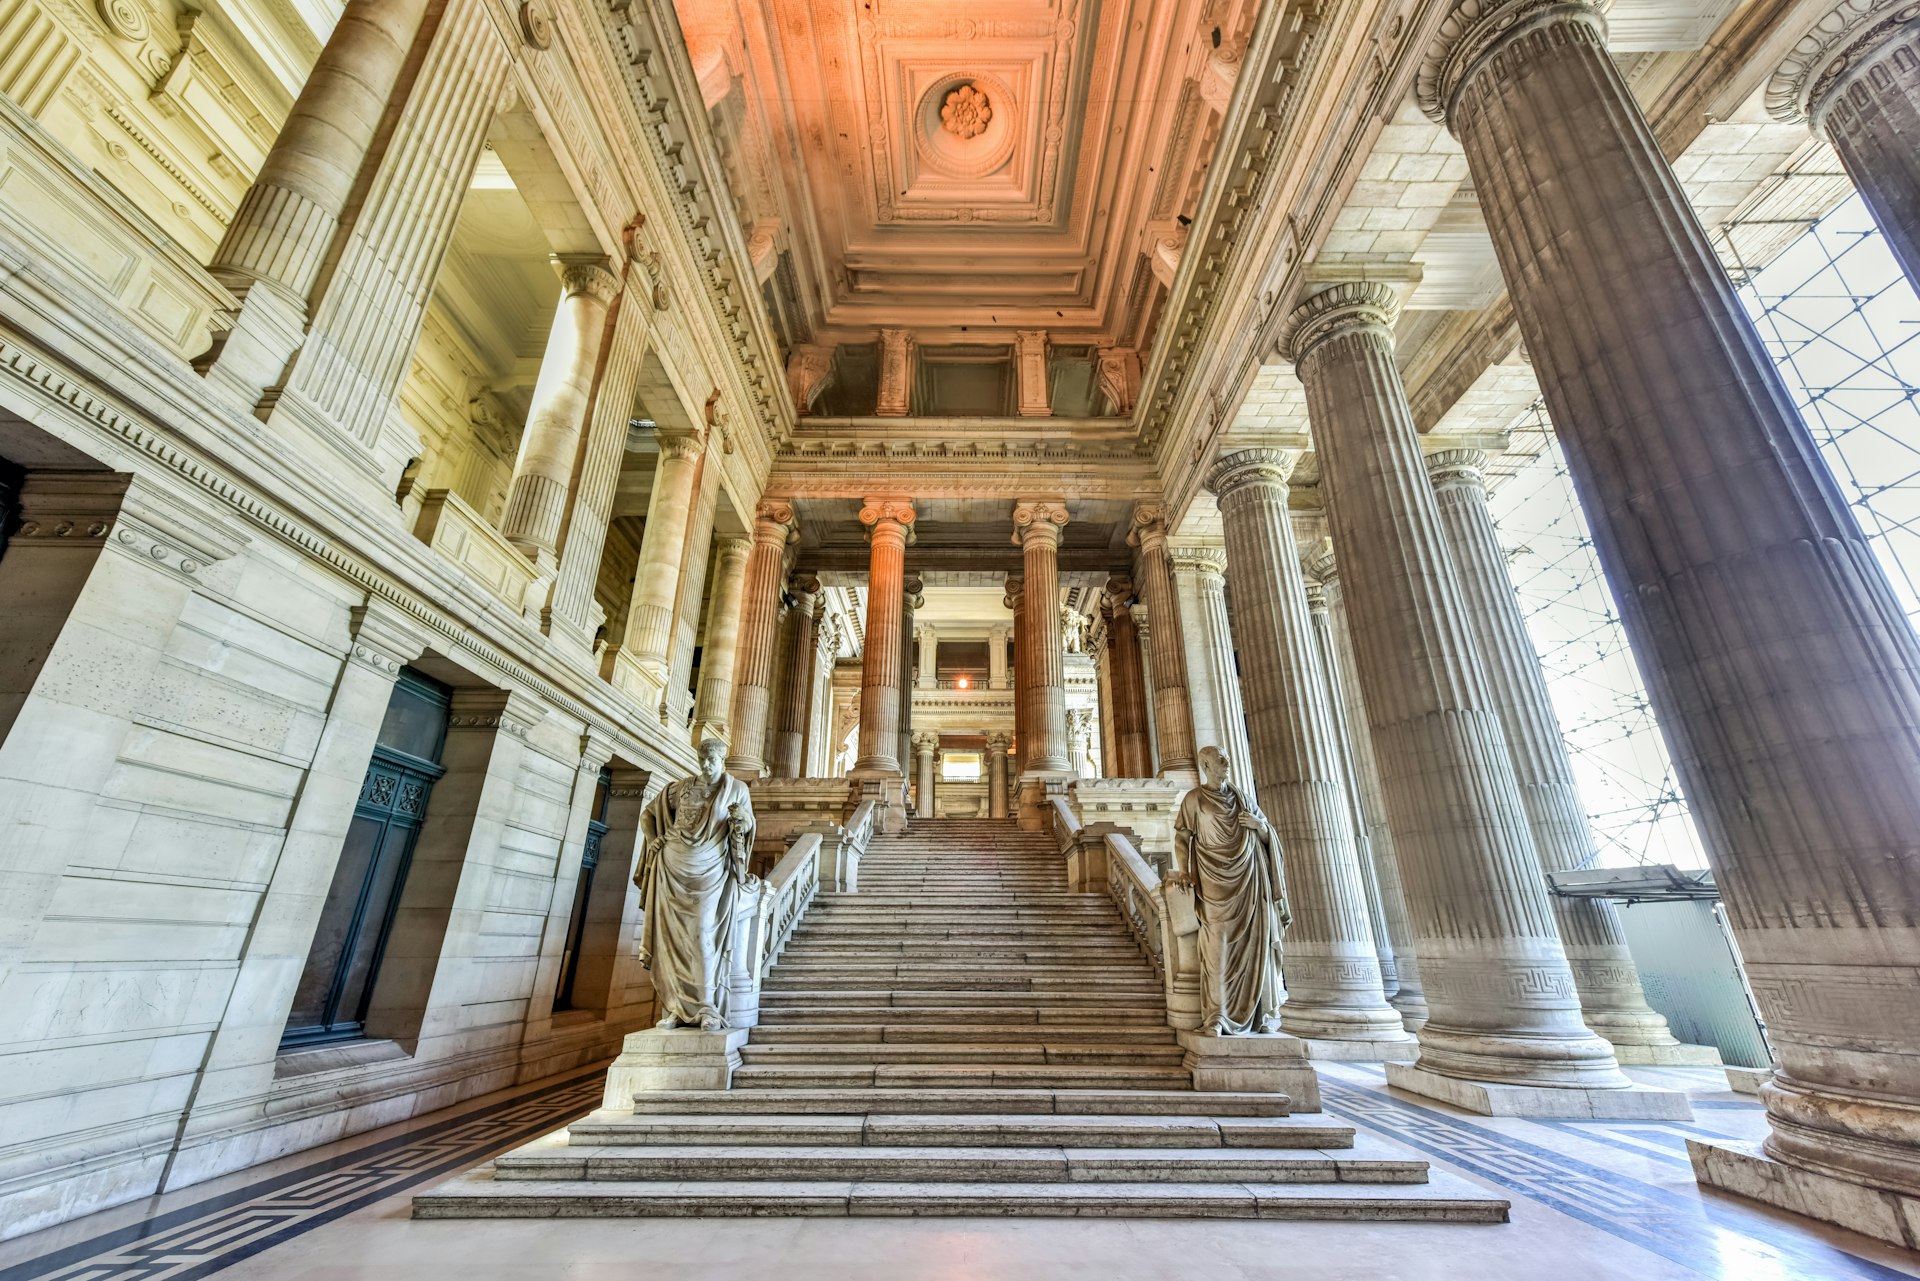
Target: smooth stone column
[910,602]
[997,745]
[889,521]
[676,705]
[1611,999]
[1037,524]
[790,730]
[1332,971]
[1782,669]
[1015,600]
[759,629]
[1131,750]
[287,222]
[719,651]
[1503,1007]
[1410,998]
[1173,715]
[1213,679]
[926,748]
[656,582]
[1855,78]
[550,445]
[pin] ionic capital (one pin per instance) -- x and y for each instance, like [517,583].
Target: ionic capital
[1319,564]
[1826,60]
[1355,307]
[1457,468]
[1148,531]
[585,274]
[1477,29]
[911,588]
[875,512]
[1016,592]
[804,586]
[773,523]
[1118,595]
[1039,518]
[1248,468]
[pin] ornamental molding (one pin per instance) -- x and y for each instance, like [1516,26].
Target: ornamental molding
[1832,55]
[1342,309]
[1474,30]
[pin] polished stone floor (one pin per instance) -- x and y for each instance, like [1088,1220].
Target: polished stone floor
[1592,1201]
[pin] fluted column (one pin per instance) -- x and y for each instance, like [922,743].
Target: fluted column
[1332,970]
[1143,638]
[1037,524]
[1015,600]
[719,651]
[818,752]
[1410,997]
[676,704]
[889,521]
[1782,669]
[656,581]
[1133,754]
[1103,692]
[759,630]
[1855,78]
[925,748]
[997,745]
[1610,996]
[910,602]
[790,729]
[1080,741]
[1173,714]
[287,222]
[550,445]
[1219,716]
[1502,1001]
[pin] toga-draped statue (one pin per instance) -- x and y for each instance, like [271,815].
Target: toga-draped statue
[1225,851]
[694,841]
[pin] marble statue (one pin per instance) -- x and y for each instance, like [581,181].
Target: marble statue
[695,838]
[1226,853]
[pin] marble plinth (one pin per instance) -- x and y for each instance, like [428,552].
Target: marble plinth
[1746,1080]
[1272,1062]
[1676,1055]
[1403,1049]
[1744,1170]
[1489,1098]
[682,1059]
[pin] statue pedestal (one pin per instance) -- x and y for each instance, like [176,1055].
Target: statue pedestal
[1493,1098]
[1260,1062]
[683,1059]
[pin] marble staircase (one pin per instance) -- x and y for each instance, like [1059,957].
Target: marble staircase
[962,1036]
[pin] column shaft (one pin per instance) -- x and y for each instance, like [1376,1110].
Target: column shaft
[1503,1005]
[676,704]
[656,580]
[1173,716]
[790,729]
[1785,676]
[888,521]
[925,748]
[720,651]
[759,630]
[997,775]
[1332,970]
[910,601]
[1015,600]
[1133,755]
[1037,524]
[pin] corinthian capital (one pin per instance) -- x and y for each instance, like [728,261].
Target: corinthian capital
[585,274]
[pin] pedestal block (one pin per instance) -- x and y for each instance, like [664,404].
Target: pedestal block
[1742,1168]
[1636,1103]
[1270,1062]
[682,1059]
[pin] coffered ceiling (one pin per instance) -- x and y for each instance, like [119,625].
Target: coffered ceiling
[967,169]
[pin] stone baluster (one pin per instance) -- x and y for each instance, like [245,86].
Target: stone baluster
[997,745]
[1132,752]
[713,704]
[656,579]
[1782,668]
[1332,970]
[759,630]
[889,522]
[790,727]
[550,445]
[608,422]
[1213,678]
[1037,524]
[1855,78]
[1410,997]
[289,219]
[1503,1006]
[1015,600]
[1173,714]
[1611,999]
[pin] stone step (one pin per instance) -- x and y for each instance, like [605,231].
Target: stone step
[790,1012]
[920,1076]
[1377,1163]
[978,978]
[875,1033]
[1445,1199]
[965,1130]
[1139,997]
[994,1053]
[906,950]
[948,1100]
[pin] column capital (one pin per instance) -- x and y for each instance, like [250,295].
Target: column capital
[1199,560]
[585,274]
[739,548]
[999,742]
[1319,564]
[682,445]
[885,517]
[1148,530]
[1358,305]
[1448,468]
[1476,29]
[773,522]
[1824,60]
[1016,592]
[1040,518]
[1117,595]
[911,586]
[926,741]
[804,586]
[1247,467]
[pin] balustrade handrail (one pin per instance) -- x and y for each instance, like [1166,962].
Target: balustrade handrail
[786,893]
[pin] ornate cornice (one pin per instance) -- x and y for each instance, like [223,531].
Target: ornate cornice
[1825,60]
[1247,467]
[1474,30]
[1341,309]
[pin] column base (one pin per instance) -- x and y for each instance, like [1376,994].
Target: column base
[1260,1062]
[1744,1170]
[1490,1098]
[1404,1049]
[1746,1080]
[1678,1054]
[681,1059]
